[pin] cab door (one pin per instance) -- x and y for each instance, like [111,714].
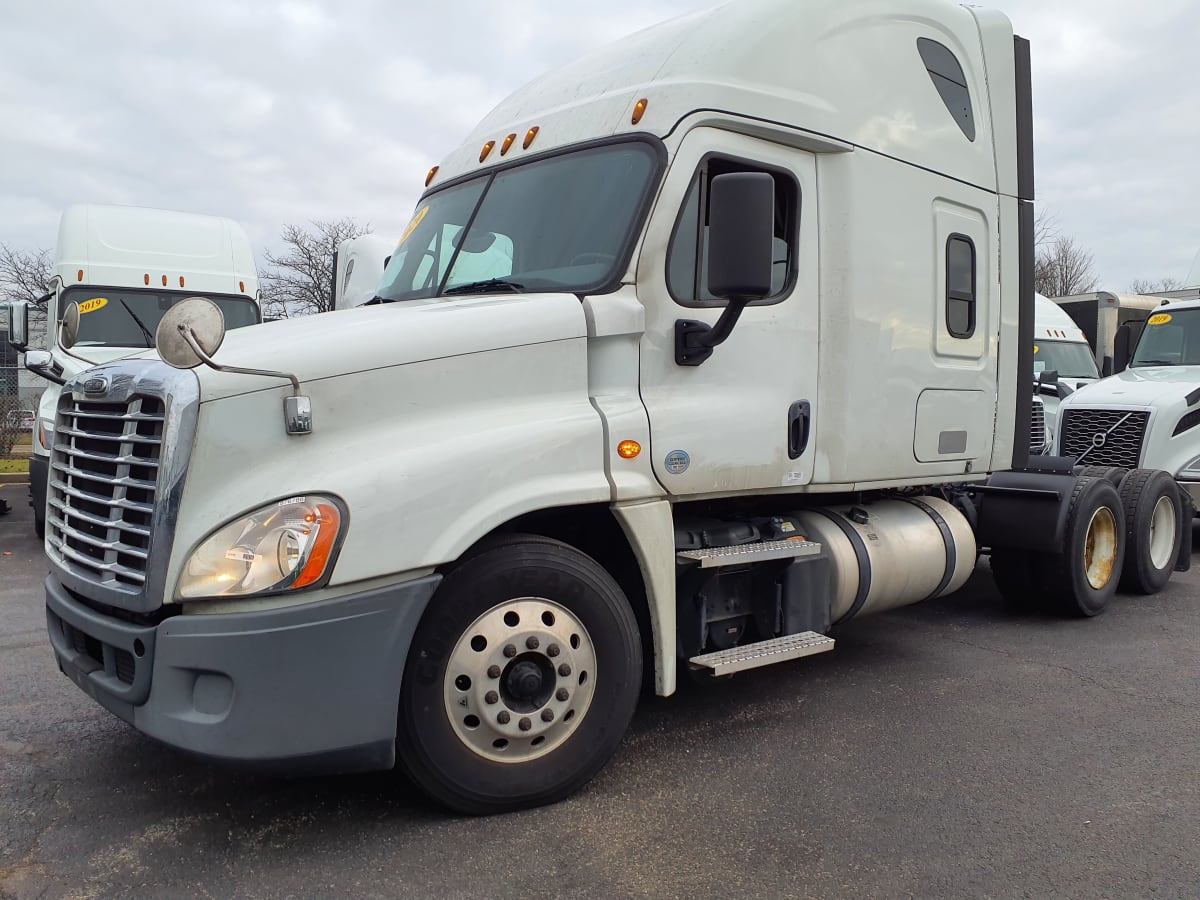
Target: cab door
[744,419]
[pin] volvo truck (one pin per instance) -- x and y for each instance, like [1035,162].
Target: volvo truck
[125,266]
[694,351]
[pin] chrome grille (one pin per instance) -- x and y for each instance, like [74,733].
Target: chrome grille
[1103,437]
[103,478]
[1037,427]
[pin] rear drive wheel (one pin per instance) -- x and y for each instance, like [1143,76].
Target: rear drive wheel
[1083,577]
[1114,474]
[1153,510]
[522,678]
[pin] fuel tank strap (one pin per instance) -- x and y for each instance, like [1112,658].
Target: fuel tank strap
[947,539]
[864,562]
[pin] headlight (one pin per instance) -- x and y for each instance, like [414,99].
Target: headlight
[45,433]
[1191,471]
[284,546]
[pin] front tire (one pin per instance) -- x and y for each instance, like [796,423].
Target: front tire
[1153,511]
[522,678]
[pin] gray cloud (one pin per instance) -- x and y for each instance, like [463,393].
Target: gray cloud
[292,111]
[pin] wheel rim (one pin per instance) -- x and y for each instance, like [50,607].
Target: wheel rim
[1162,533]
[520,680]
[1100,548]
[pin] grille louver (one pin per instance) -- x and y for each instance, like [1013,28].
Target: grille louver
[1104,437]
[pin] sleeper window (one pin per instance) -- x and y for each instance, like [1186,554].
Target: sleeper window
[960,286]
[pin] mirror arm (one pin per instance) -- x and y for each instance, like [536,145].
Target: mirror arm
[63,345]
[694,340]
[186,333]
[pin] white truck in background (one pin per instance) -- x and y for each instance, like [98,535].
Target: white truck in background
[1062,361]
[1111,322]
[694,350]
[125,266]
[1148,414]
[358,265]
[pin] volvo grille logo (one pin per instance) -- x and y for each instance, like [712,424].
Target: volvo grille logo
[1099,439]
[96,385]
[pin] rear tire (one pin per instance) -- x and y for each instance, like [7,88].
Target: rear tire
[521,680]
[1113,474]
[1083,577]
[1153,510]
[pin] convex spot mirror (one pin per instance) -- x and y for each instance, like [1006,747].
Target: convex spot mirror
[196,317]
[69,330]
[16,320]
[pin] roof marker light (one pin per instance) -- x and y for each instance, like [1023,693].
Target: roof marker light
[181,281]
[146,278]
[242,286]
[164,281]
[508,142]
[529,136]
[487,148]
[429,177]
[639,110]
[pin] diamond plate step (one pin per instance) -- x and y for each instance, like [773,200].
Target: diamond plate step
[740,554]
[764,653]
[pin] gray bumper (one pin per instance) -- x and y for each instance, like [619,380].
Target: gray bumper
[308,688]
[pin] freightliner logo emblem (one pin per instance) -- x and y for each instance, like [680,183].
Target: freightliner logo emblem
[95,385]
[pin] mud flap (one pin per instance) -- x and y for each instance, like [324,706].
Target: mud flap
[1187,509]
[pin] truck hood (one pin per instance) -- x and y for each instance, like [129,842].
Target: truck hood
[393,334]
[1146,386]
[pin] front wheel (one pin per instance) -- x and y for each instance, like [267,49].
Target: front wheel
[521,680]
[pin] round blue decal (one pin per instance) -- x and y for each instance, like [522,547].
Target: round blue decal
[677,462]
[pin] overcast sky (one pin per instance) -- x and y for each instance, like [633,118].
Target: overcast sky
[276,113]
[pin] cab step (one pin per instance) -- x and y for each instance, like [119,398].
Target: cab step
[763,653]
[741,554]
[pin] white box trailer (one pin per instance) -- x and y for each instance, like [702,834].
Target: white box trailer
[693,351]
[125,266]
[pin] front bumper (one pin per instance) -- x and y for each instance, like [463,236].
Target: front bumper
[310,688]
[1193,489]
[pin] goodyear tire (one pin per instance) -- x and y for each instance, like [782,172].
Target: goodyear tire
[522,678]
[1083,577]
[1153,511]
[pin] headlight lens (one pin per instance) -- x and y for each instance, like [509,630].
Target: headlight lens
[45,433]
[284,546]
[1191,471]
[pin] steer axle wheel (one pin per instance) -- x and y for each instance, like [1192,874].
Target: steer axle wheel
[521,680]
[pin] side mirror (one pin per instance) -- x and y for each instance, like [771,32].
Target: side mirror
[41,363]
[741,231]
[1123,345]
[17,322]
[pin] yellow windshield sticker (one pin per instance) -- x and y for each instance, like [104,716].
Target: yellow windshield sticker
[1159,319]
[1035,348]
[412,226]
[92,305]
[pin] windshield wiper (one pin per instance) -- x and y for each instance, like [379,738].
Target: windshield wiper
[1155,362]
[498,285]
[140,324]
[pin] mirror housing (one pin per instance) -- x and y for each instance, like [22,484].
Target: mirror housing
[41,363]
[17,322]
[741,230]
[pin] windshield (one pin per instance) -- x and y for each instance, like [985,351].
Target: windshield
[120,317]
[1170,339]
[1068,359]
[560,223]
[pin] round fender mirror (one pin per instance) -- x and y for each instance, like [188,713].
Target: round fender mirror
[197,316]
[70,325]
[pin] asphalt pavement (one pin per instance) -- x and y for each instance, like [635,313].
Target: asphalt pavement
[949,749]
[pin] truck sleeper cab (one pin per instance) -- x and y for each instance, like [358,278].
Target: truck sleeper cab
[689,356]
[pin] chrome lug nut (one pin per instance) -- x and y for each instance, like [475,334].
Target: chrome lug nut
[525,724]
[503,718]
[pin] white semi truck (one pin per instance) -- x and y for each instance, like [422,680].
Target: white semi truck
[358,266]
[693,351]
[1111,322]
[1062,362]
[125,266]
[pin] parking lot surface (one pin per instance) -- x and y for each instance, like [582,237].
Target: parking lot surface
[948,749]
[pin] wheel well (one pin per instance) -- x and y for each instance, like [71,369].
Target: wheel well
[595,531]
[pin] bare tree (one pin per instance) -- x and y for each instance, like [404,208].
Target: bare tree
[26,275]
[1062,268]
[1150,286]
[300,281]
[1045,227]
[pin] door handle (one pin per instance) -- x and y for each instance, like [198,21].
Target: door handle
[799,417]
